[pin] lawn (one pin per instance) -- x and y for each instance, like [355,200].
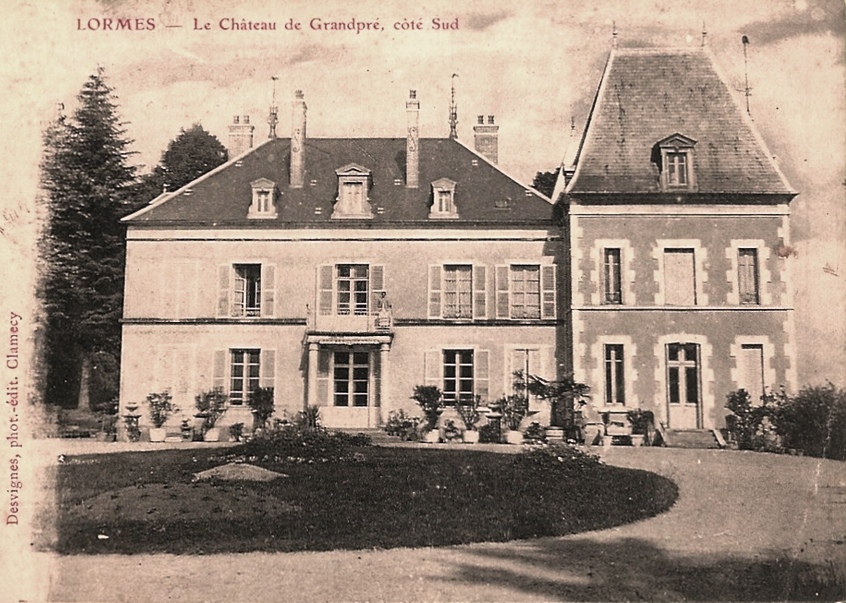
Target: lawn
[373,498]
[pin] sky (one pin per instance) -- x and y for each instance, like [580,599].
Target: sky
[535,65]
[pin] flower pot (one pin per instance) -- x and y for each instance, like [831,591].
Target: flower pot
[432,437]
[637,440]
[212,435]
[158,434]
[471,436]
[514,437]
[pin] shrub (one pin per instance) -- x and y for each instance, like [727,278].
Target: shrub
[642,422]
[262,404]
[309,419]
[490,433]
[210,406]
[295,445]
[535,434]
[236,430]
[161,407]
[402,425]
[750,425]
[430,401]
[813,421]
[513,409]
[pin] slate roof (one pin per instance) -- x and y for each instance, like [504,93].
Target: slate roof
[222,197]
[646,95]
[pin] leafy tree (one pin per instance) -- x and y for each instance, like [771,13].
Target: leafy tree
[86,181]
[190,155]
[545,181]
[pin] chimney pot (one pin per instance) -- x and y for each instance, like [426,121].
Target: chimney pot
[480,119]
[486,138]
[246,119]
[236,119]
[240,135]
[490,119]
[298,94]
[412,94]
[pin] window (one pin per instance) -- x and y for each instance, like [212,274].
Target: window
[443,199]
[747,268]
[244,375]
[677,169]
[683,373]
[352,200]
[525,291]
[674,156]
[458,375]
[679,277]
[612,278]
[352,289]
[247,294]
[751,365]
[615,390]
[458,291]
[262,203]
[351,377]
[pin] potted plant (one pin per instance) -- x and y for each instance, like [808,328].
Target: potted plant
[161,407]
[262,404]
[642,422]
[451,431]
[468,409]
[236,432]
[131,422]
[210,406]
[513,409]
[430,401]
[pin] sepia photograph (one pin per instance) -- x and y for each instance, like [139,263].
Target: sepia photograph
[401,301]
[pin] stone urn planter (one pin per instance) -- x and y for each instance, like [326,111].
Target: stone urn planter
[212,435]
[637,439]
[158,434]
[471,436]
[514,437]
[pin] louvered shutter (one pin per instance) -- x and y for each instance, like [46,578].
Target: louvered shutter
[324,287]
[267,368]
[480,283]
[219,370]
[268,292]
[433,367]
[481,374]
[377,286]
[323,358]
[547,291]
[435,291]
[223,288]
[502,298]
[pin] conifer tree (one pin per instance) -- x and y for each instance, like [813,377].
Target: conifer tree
[86,180]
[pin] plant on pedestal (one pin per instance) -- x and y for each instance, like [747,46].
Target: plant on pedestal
[210,406]
[468,410]
[262,404]
[161,407]
[430,401]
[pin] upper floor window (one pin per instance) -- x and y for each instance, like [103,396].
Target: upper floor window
[747,268]
[246,290]
[443,202]
[262,205]
[247,298]
[612,281]
[353,193]
[353,288]
[350,289]
[457,291]
[674,156]
[525,291]
[679,277]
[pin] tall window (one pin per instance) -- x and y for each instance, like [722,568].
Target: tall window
[679,277]
[445,202]
[751,368]
[683,373]
[458,291]
[525,292]
[352,289]
[612,277]
[247,299]
[677,169]
[458,375]
[615,384]
[351,376]
[747,267]
[245,375]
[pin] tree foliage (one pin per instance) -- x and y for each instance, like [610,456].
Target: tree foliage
[545,181]
[86,181]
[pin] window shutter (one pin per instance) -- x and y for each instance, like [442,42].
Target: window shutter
[435,291]
[268,368]
[323,378]
[481,377]
[377,285]
[547,291]
[239,295]
[268,302]
[324,286]
[433,368]
[502,298]
[480,281]
[219,370]
[223,290]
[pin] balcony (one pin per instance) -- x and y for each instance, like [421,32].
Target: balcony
[380,322]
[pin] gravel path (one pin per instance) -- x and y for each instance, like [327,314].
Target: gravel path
[741,519]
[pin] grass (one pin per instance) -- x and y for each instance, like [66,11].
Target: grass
[376,498]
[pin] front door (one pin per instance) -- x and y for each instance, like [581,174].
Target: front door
[352,395]
[684,392]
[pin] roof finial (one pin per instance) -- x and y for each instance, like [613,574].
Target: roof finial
[704,35]
[614,34]
[273,118]
[453,109]
[747,91]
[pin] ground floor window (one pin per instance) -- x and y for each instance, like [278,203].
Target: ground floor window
[751,364]
[683,373]
[245,374]
[458,376]
[351,377]
[615,384]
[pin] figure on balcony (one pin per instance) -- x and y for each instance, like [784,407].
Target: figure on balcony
[383,311]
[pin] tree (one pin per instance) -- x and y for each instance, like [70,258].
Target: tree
[190,155]
[545,181]
[86,181]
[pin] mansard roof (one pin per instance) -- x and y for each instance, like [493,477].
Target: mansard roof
[222,197]
[651,96]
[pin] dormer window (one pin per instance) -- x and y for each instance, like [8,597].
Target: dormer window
[262,205]
[353,199]
[443,199]
[675,163]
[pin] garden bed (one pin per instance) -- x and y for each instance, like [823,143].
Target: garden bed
[371,498]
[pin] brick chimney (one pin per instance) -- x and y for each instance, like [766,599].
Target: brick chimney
[240,135]
[486,138]
[298,137]
[412,141]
